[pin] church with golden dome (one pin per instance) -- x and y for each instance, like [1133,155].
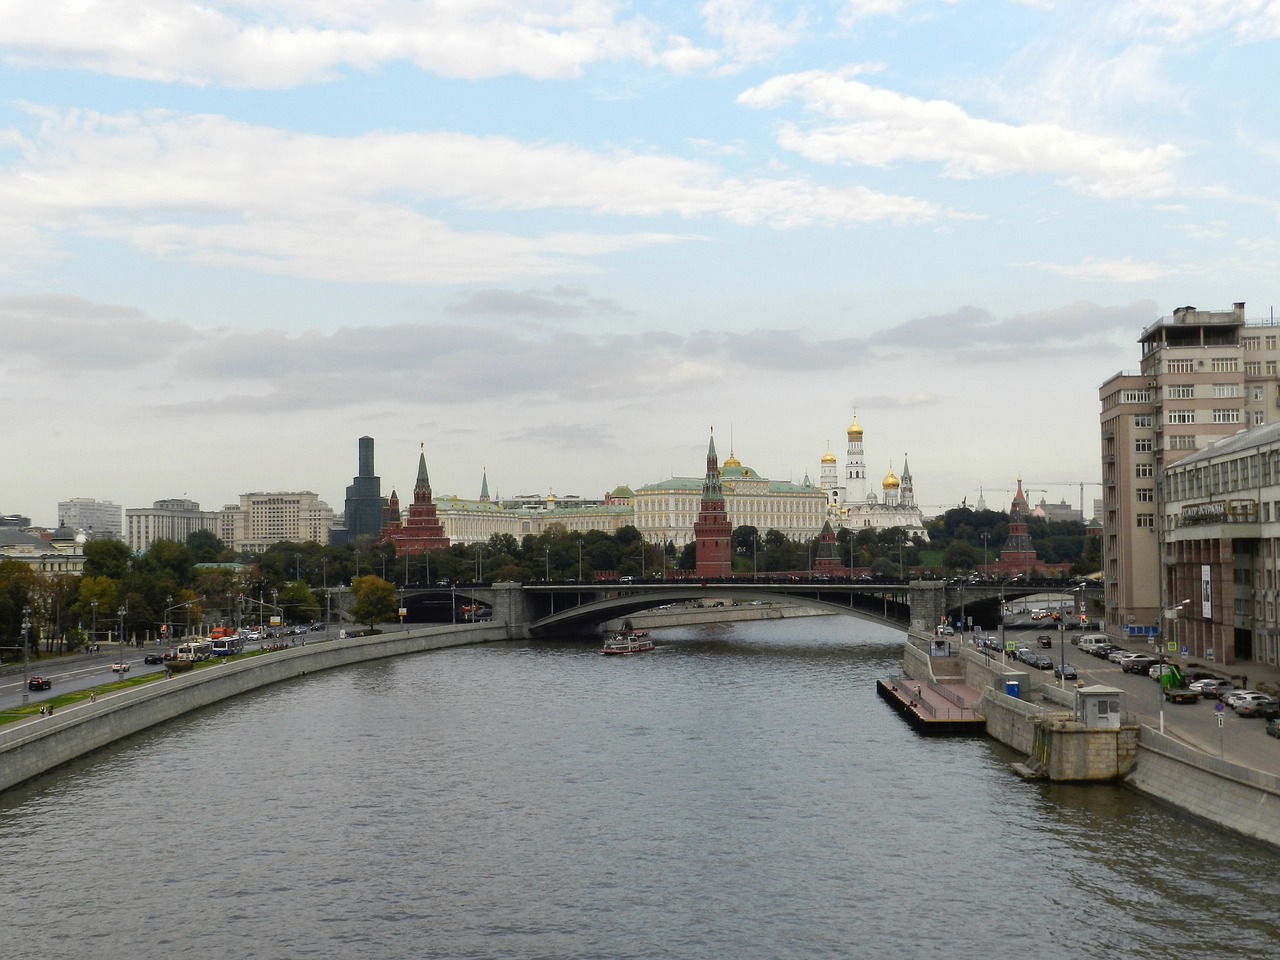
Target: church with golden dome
[850,502]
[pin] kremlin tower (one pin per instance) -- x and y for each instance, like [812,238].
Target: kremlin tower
[855,467]
[711,531]
[422,530]
[1018,555]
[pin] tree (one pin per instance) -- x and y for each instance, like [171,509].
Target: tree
[299,603]
[106,558]
[375,600]
[205,547]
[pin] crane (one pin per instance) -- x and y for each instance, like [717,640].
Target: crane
[1072,483]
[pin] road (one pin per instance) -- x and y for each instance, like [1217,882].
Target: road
[1242,740]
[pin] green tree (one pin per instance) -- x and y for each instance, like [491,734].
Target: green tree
[375,600]
[205,547]
[959,556]
[107,558]
[299,603]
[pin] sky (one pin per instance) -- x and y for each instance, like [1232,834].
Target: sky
[557,242]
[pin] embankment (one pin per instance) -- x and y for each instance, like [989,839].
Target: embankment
[30,748]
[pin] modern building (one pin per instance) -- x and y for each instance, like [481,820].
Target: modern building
[1220,559]
[261,519]
[364,503]
[167,520]
[97,518]
[1203,375]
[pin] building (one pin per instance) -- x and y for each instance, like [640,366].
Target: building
[1204,375]
[1018,555]
[364,503]
[421,530]
[666,511]
[855,507]
[97,518]
[167,520]
[261,519]
[62,551]
[712,532]
[1220,560]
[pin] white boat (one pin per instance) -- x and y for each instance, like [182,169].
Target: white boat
[621,644]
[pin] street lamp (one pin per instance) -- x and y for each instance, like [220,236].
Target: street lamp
[546,559]
[985,538]
[26,649]
[123,611]
[94,629]
[1170,613]
[579,561]
[753,556]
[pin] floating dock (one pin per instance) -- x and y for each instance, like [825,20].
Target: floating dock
[934,709]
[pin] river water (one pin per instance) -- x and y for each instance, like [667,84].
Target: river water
[740,792]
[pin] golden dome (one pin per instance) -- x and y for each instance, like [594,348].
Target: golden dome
[828,457]
[732,461]
[855,430]
[890,481]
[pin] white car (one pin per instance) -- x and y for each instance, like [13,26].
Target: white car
[120,667]
[1235,696]
[1246,696]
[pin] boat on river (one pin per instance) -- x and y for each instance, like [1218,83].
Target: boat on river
[627,642]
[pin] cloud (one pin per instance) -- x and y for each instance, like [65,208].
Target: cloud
[748,29]
[878,127]
[374,207]
[1124,270]
[1249,21]
[275,44]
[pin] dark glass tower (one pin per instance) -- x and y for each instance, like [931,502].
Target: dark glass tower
[364,497]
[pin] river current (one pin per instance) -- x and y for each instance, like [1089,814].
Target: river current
[740,792]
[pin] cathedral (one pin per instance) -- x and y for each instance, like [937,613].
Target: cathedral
[852,505]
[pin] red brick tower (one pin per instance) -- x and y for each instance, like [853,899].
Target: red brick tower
[422,530]
[1018,555]
[711,531]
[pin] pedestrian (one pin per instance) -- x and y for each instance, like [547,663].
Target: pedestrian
[93,698]
[42,709]
[50,710]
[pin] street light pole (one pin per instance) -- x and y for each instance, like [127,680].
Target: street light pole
[579,561]
[26,649]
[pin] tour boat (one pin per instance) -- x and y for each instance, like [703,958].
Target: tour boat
[634,641]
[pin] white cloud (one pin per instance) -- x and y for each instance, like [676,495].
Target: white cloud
[278,43]
[879,127]
[748,29]
[374,207]
[1249,21]
[1124,270]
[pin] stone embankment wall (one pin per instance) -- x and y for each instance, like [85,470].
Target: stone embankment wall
[30,748]
[1238,798]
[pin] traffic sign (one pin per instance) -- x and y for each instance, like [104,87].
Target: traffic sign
[1219,720]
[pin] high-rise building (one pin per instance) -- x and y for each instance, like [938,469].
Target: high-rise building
[1204,375]
[167,520]
[261,519]
[97,518]
[364,503]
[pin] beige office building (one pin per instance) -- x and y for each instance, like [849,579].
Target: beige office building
[261,519]
[1204,375]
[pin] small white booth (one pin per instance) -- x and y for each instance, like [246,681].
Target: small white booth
[1099,707]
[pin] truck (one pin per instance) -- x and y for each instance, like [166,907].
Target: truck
[1172,686]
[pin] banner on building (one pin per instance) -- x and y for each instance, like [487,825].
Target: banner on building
[1206,592]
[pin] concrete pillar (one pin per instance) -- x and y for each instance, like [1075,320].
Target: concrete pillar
[928,600]
[510,608]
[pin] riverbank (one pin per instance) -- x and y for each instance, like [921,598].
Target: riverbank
[30,748]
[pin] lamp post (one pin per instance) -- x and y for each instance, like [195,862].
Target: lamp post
[93,630]
[1170,613]
[479,563]
[123,611]
[579,561]
[26,649]
[546,561]
[985,538]
[753,556]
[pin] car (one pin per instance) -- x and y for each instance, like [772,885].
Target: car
[153,658]
[120,666]
[1245,700]
[39,683]
[1044,640]
[1065,671]
[1235,696]
[1266,707]
[1118,654]
[1157,670]
[1139,663]
[317,627]
[1213,687]
[1273,727]
[1102,650]
[1042,662]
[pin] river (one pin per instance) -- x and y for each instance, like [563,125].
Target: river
[740,792]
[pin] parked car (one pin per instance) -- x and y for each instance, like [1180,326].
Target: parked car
[1042,662]
[1273,727]
[1214,687]
[1266,707]
[1065,671]
[1158,670]
[153,658]
[1230,699]
[1139,663]
[39,683]
[1245,700]
[1102,650]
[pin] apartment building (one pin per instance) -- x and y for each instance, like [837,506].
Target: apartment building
[174,519]
[1203,375]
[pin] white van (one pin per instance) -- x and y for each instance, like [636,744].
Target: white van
[1090,640]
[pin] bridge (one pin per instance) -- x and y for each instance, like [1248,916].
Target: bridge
[558,609]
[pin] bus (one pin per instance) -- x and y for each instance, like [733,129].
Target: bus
[227,646]
[194,650]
